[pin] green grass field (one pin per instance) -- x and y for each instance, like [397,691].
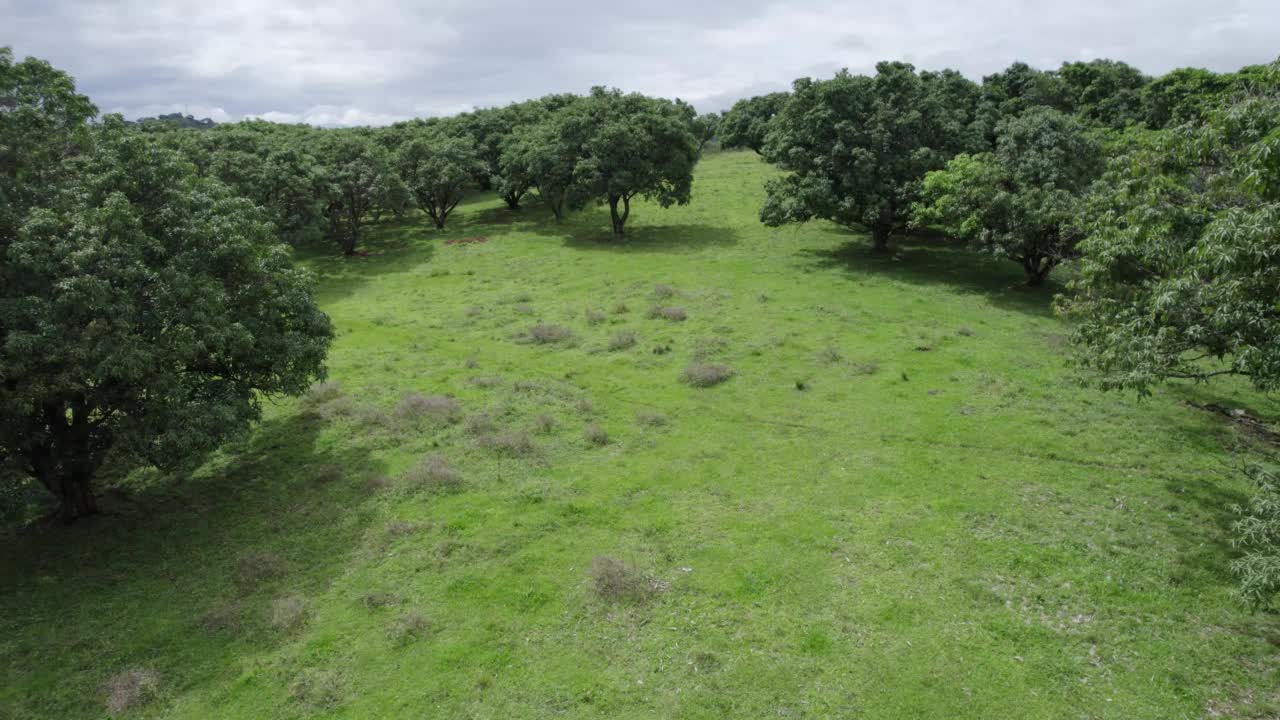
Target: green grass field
[901,505]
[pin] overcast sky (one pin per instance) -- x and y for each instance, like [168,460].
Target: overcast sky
[377,61]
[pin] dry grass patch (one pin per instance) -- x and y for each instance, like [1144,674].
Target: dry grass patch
[510,444]
[622,340]
[259,565]
[439,409]
[289,613]
[544,423]
[595,435]
[621,309]
[223,618]
[130,690]
[375,601]
[616,580]
[548,334]
[662,292]
[595,317]
[316,689]
[432,474]
[651,419]
[407,628]
[402,528]
[480,424]
[703,375]
[673,314]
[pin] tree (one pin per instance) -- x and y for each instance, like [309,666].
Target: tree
[1180,272]
[706,127]
[437,169]
[628,146]
[356,176]
[858,147]
[545,159]
[747,123]
[1181,96]
[1020,202]
[1106,92]
[147,311]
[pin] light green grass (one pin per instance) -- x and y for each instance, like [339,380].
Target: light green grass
[940,525]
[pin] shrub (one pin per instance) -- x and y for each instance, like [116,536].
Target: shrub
[546,334]
[705,375]
[674,314]
[130,690]
[512,444]
[544,423]
[622,340]
[615,580]
[651,419]
[432,474]
[585,406]
[595,317]
[621,309]
[407,628]
[595,435]
[289,613]
[254,567]
[438,408]
[316,689]
[662,292]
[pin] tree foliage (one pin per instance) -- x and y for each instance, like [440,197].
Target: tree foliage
[1022,201]
[437,170]
[146,311]
[1180,276]
[858,147]
[357,177]
[747,123]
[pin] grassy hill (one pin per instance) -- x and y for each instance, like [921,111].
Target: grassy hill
[900,505]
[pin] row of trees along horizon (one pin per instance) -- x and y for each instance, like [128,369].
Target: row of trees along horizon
[1165,192]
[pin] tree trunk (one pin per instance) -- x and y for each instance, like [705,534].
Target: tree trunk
[513,200]
[880,237]
[75,496]
[1037,270]
[619,220]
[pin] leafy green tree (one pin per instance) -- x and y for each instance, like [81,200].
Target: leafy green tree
[356,176]
[1107,92]
[1181,96]
[627,146]
[705,128]
[1022,201]
[546,160]
[858,147]
[1179,272]
[146,313]
[437,170]
[1257,535]
[747,123]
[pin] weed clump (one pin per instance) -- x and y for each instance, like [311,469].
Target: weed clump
[380,600]
[616,580]
[130,689]
[651,419]
[661,291]
[703,375]
[595,435]
[547,334]
[673,314]
[595,317]
[320,394]
[831,355]
[407,628]
[255,567]
[866,368]
[621,309]
[622,340]
[439,409]
[316,689]
[432,474]
[289,613]
[480,424]
[510,444]
[224,618]
[544,424]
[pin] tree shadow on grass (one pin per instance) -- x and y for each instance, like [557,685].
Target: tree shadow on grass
[133,589]
[934,260]
[387,247]
[680,238]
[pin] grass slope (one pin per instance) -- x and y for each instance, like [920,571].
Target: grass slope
[939,524]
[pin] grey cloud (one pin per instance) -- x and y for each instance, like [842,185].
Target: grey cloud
[379,60]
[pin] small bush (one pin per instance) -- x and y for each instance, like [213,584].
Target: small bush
[546,334]
[224,618]
[437,408]
[615,580]
[621,309]
[651,419]
[705,375]
[480,424]
[595,435]
[289,612]
[130,690]
[585,406]
[544,423]
[432,474]
[674,314]
[254,567]
[595,317]
[316,689]
[622,340]
[1257,534]
[511,444]
[662,292]
[407,628]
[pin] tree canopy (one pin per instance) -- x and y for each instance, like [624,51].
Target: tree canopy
[747,123]
[857,147]
[437,170]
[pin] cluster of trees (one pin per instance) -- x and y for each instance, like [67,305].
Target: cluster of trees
[146,309]
[1165,191]
[567,150]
